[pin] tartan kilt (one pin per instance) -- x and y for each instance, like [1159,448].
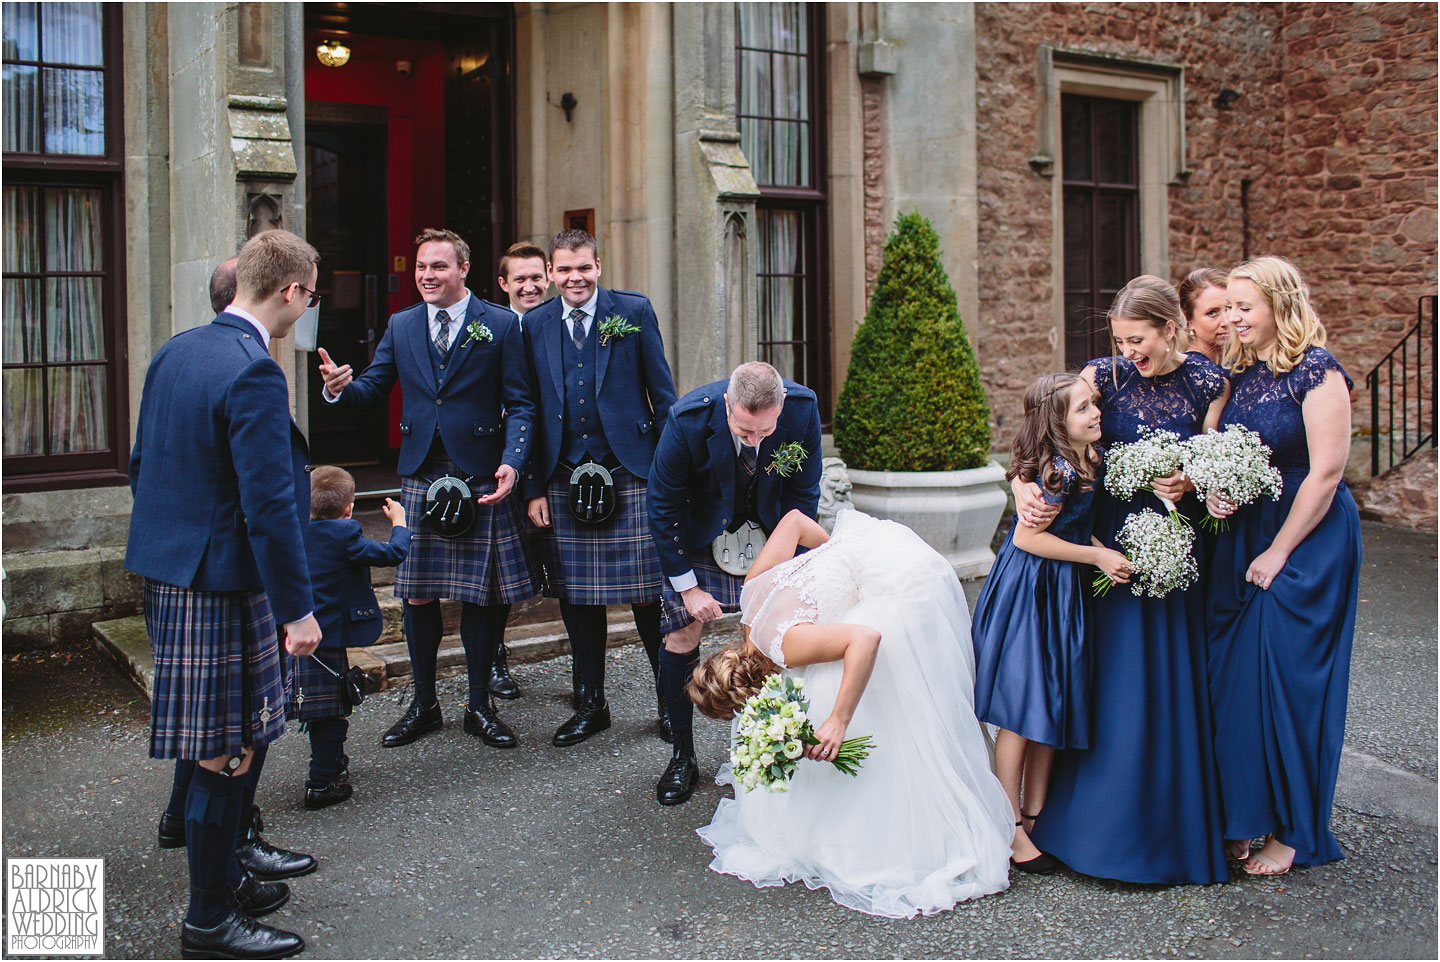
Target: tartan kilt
[322,692]
[614,563]
[488,566]
[218,687]
[722,585]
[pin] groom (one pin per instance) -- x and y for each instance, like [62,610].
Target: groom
[746,450]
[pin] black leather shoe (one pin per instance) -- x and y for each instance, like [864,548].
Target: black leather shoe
[266,862]
[589,720]
[415,722]
[172,831]
[238,937]
[483,723]
[678,782]
[333,792]
[1041,864]
[256,898]
[663,712]
[501,684]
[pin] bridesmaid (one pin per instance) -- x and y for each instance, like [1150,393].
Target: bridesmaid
[1202,301]
[1142,803]
[1284,581]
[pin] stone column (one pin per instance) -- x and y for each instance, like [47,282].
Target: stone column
[714,328]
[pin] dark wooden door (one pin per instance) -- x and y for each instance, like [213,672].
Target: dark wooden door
[345,220]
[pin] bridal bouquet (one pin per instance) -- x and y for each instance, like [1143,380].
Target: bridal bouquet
[1160,553]
[773,732]
[1133,467]
[1232,463]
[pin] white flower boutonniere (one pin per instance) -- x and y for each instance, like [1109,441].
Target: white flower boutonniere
[616,327]
[478,332]
[788,459]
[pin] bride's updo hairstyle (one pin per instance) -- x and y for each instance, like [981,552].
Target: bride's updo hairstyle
[1042,435]
[1297,326]
[723,682]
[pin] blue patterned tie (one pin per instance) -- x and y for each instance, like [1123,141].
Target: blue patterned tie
[442,340]
[577,317]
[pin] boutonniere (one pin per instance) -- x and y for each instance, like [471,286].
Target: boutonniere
[615,327]
[787,459]
[478,332]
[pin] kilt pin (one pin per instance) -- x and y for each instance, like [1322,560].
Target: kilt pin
[603,387]
[698,489]
[468,410]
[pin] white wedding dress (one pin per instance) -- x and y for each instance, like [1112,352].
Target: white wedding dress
[925,824]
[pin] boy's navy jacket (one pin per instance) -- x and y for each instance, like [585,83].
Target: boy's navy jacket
[340,561]
[218,471]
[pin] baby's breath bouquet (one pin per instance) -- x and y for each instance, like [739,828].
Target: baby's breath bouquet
[1159,552]
[1234,464]
[773,732]
[1133,467]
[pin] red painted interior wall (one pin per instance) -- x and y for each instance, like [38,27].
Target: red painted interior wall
[416,151]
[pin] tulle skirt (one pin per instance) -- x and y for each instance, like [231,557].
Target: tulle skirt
[925,824]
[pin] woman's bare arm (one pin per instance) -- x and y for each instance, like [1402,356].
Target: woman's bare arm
[795,530]
[857,646]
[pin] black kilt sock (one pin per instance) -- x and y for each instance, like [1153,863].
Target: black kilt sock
[327,741]
[675,672]
[212,810]
[587,627]
[480,630]
[647,623]
[423,628]
[179,788]
[251,778]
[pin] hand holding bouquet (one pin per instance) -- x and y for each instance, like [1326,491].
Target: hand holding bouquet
[1160,555]
[1233,465]
[1134,467]
[773,732]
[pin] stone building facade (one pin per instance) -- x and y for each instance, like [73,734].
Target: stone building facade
[740,163]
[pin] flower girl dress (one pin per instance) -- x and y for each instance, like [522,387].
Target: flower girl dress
[925,824]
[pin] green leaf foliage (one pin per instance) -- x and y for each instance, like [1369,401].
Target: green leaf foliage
[912,399]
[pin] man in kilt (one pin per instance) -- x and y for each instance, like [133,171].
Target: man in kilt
[469,414]
[604,387]
[215,531]
[737,451]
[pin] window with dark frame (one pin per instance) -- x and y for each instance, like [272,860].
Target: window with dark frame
[780,109]
[64,397]
[1100,141]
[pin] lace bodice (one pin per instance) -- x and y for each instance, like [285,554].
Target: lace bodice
[1130,402]
[811,588]
[1271,405]
[1077,506]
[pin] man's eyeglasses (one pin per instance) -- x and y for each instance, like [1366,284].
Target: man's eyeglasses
[314,295]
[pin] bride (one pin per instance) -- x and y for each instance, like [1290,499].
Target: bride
[871,612]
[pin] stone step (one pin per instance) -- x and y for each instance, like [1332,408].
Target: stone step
[385,665]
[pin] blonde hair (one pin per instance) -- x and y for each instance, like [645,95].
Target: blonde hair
[1297,326]
[271,261]
[722,683]
[1151,299]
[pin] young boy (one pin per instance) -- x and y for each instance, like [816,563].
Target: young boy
[340,559]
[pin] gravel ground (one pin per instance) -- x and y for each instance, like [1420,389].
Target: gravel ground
[450,849]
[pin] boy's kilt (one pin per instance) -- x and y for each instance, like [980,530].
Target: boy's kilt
[722,585]
[217,685]
[314,692]
[601,564]
[488,566]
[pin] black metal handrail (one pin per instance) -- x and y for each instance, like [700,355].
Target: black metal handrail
[1411,357]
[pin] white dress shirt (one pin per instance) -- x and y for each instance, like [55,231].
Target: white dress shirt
[588,307]
[254,321]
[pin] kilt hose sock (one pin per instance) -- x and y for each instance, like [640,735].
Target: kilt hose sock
[647,623]
[422,637]
[212,812]
[327,739]
[179,788]
[588,629]
[675,672]
[481,628]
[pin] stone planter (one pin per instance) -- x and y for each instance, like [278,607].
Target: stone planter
[954,511]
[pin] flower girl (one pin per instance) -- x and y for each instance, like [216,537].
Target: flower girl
[1032,672]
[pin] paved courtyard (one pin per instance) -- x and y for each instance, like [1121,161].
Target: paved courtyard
[450,849]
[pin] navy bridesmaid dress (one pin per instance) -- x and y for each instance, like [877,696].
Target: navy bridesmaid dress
[1032,659]
[1280,659]
[1142,803]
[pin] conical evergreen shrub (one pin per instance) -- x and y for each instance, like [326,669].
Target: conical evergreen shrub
[912,399]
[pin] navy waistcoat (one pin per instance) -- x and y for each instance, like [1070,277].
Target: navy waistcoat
[582,417]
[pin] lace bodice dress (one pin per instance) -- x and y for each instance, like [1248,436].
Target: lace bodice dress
[1131,403]
[1271,405]
[924,824]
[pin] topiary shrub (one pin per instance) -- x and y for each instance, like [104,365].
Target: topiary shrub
[912,399]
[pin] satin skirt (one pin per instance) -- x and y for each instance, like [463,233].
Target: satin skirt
[1280,673]
[1142,803]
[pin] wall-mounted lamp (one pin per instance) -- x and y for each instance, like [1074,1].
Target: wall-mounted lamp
[1225,98]
[332,53]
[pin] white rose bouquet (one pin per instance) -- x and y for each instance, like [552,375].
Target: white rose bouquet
[1160,553]
[773,732]
[1234,464]
[1133,467]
